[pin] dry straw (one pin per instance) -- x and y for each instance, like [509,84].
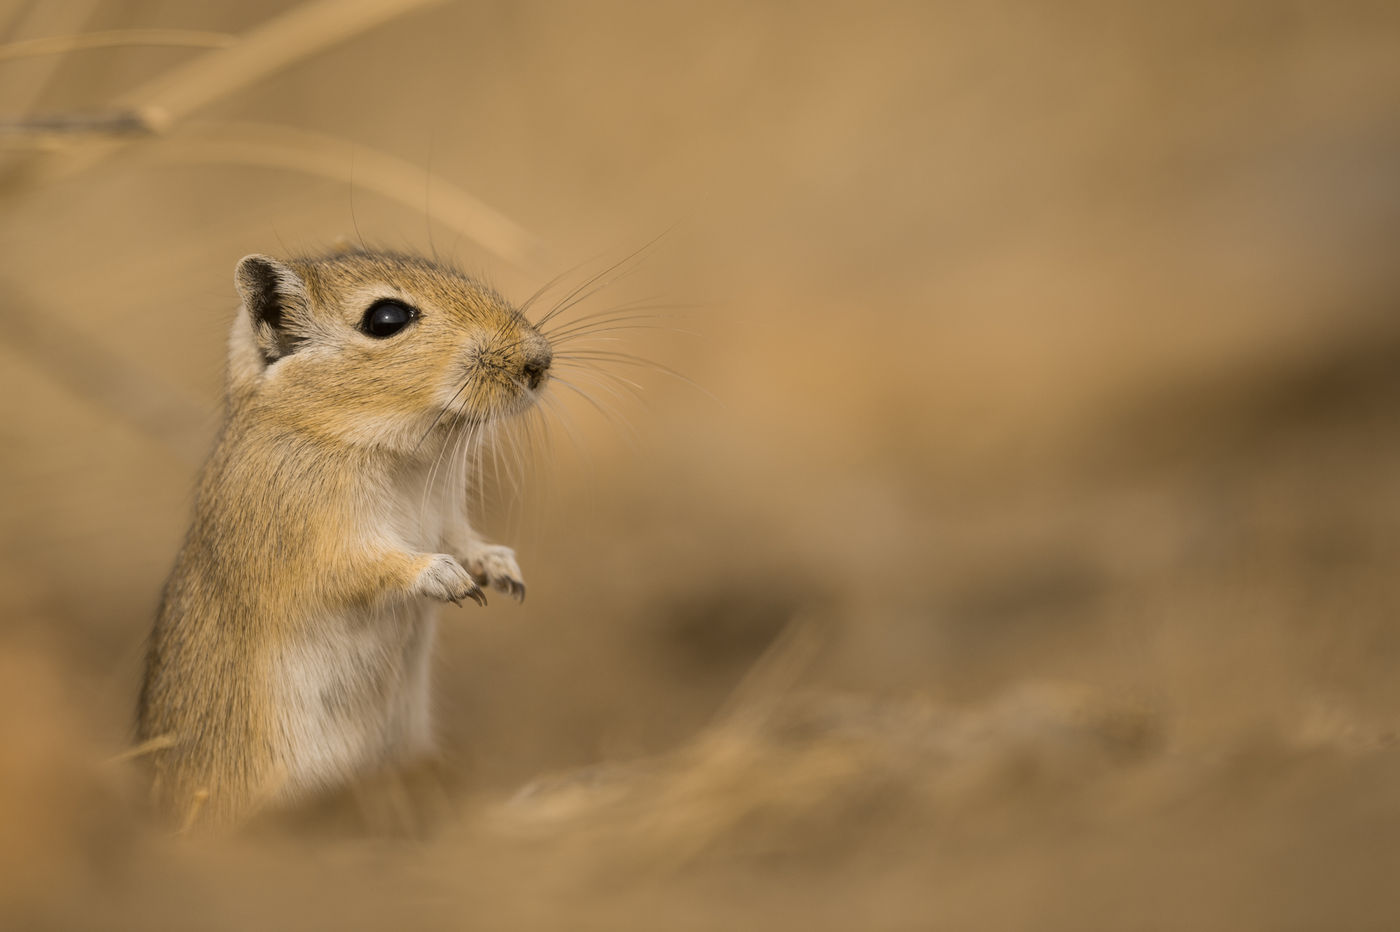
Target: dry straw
[116,38]
[298,150]
[279,42]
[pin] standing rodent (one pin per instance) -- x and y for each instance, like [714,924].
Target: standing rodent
[292,645]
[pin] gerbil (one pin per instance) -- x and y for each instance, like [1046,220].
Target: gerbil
[291,648]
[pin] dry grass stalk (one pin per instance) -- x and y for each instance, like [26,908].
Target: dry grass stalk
[150,746]
[291,37]
[54,131]
[369,169]
[116,38]
[165,101]
[772,677]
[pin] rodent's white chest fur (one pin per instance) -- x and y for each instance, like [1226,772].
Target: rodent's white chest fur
[353,685]
[354,693]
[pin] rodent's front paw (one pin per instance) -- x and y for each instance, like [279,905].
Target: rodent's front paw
[496,565]
[445,579]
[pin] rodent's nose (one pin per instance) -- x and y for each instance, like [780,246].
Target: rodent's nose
[536,365]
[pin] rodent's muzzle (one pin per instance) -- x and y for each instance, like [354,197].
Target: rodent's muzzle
[537,360]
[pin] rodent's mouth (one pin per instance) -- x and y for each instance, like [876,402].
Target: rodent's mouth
[492,392]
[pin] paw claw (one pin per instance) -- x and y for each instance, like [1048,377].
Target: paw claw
[511,587]
[495,565]
[446,580]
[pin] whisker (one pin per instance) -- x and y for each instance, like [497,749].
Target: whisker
[515,471]
[463,441]
[443,411]
[540,446]
[454,441]
[569,299]
[636,390]
[629,359]
[568,303]
[461,479]
[509,450]
[516,464]
[632,321]
[480,484]
[529,302]
[629,308]
[611,415]
[549,404]
[600,330]
[428,485]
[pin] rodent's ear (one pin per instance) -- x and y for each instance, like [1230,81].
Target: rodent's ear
[274,296]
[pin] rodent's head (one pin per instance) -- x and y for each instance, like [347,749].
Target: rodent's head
[379,349]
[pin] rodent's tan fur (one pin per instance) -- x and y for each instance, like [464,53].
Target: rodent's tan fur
[291,649]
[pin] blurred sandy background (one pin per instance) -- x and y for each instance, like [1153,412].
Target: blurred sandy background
[1028,560]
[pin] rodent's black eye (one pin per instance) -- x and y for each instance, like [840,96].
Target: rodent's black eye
[386,318]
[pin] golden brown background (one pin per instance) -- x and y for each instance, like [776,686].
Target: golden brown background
[1026,558]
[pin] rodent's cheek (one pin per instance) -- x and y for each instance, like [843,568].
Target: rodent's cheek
[452,379]
[405,389]
[409,397]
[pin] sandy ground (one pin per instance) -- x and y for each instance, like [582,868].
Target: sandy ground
[1018,550]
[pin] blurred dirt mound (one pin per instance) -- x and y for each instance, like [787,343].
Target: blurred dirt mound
[819,777]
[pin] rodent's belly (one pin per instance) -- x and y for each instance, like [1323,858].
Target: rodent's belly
[354,695]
